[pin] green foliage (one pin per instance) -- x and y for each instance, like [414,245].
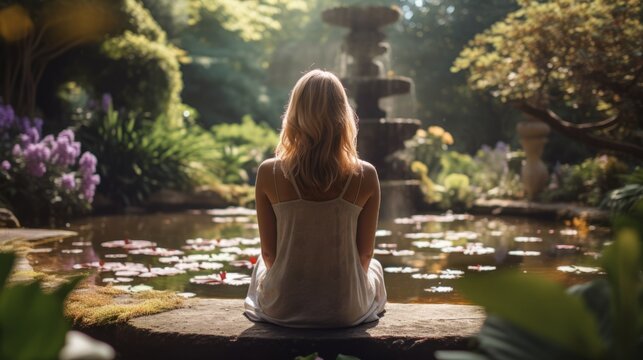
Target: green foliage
[149,78]
[141,157]
[459,178]
[32,325]
[424,44]
[625,198]
[598,320]
[457,192]
[241,148]
[581,57]
[587,182]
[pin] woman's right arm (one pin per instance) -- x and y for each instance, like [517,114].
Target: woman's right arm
[367,222]
[265,215]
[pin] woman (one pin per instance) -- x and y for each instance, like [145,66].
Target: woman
[317,208]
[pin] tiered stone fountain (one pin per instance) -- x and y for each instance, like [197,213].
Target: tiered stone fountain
[366,84]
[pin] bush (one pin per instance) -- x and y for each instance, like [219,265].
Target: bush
[43,178]
[242,147]
[587,182]
[624,199]
[460,178]
[141,157]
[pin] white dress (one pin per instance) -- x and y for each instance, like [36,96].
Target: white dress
[316,280]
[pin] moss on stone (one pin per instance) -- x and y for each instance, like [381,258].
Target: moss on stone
[98,305]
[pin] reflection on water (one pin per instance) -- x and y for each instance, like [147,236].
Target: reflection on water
[212,253]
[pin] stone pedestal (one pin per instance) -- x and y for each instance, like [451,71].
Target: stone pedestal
[533,136]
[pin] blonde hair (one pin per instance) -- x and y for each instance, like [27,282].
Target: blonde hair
[318,140]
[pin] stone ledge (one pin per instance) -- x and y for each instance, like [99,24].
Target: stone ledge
[217,329]
[34,234]
[551,211]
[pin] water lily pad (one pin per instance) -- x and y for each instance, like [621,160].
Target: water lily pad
[242,264]
[524,253]
[579,269]
[71,251]
[140,288]
[232,211]
[529,239]
[439,289]
[387,246]
[124,279]
[402,252]
[167,271]
[382,232]
[425,276]
[401,270]
[433,244]
[381,252]
[481,268]
[128,244]
[156,251]
[421,235]
[210,265]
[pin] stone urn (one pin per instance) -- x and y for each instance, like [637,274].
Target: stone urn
[533,136]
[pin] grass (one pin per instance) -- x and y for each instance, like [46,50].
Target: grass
[101,305]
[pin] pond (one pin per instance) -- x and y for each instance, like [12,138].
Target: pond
[211,253]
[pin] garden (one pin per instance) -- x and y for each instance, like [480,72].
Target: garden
[507,135]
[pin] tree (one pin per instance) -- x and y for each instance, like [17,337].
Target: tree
[579,59]
[103,46]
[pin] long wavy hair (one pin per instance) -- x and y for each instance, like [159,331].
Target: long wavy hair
[318,140]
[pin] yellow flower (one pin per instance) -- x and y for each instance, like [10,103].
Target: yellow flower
[447,138]
[420,133]
[436,131]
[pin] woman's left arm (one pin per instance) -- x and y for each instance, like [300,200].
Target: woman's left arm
[265,214]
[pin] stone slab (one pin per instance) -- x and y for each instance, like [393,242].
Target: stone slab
[217,329]
[33,234]
[551,211]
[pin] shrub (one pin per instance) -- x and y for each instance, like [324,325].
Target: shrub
[43,178]
[625,198]
[587,182]
[452,179]
[242,147]
[141,157]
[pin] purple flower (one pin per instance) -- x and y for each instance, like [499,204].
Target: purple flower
[65,150]
[35,157]
[87,163]
[502,147]
[16,151]
[88,186]
[37,123]
[67,133]
[7,116]
[106,102]
[68,181]
[5,165]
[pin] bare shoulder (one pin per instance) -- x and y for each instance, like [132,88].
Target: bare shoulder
[369,170]
[265,169]
[370,181]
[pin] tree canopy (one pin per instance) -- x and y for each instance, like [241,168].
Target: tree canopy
[581,59]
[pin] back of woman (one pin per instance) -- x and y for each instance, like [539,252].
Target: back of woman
[317,208]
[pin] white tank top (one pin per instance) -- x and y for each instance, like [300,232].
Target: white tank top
[316,279]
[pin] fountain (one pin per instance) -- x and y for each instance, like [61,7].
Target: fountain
[366,83]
